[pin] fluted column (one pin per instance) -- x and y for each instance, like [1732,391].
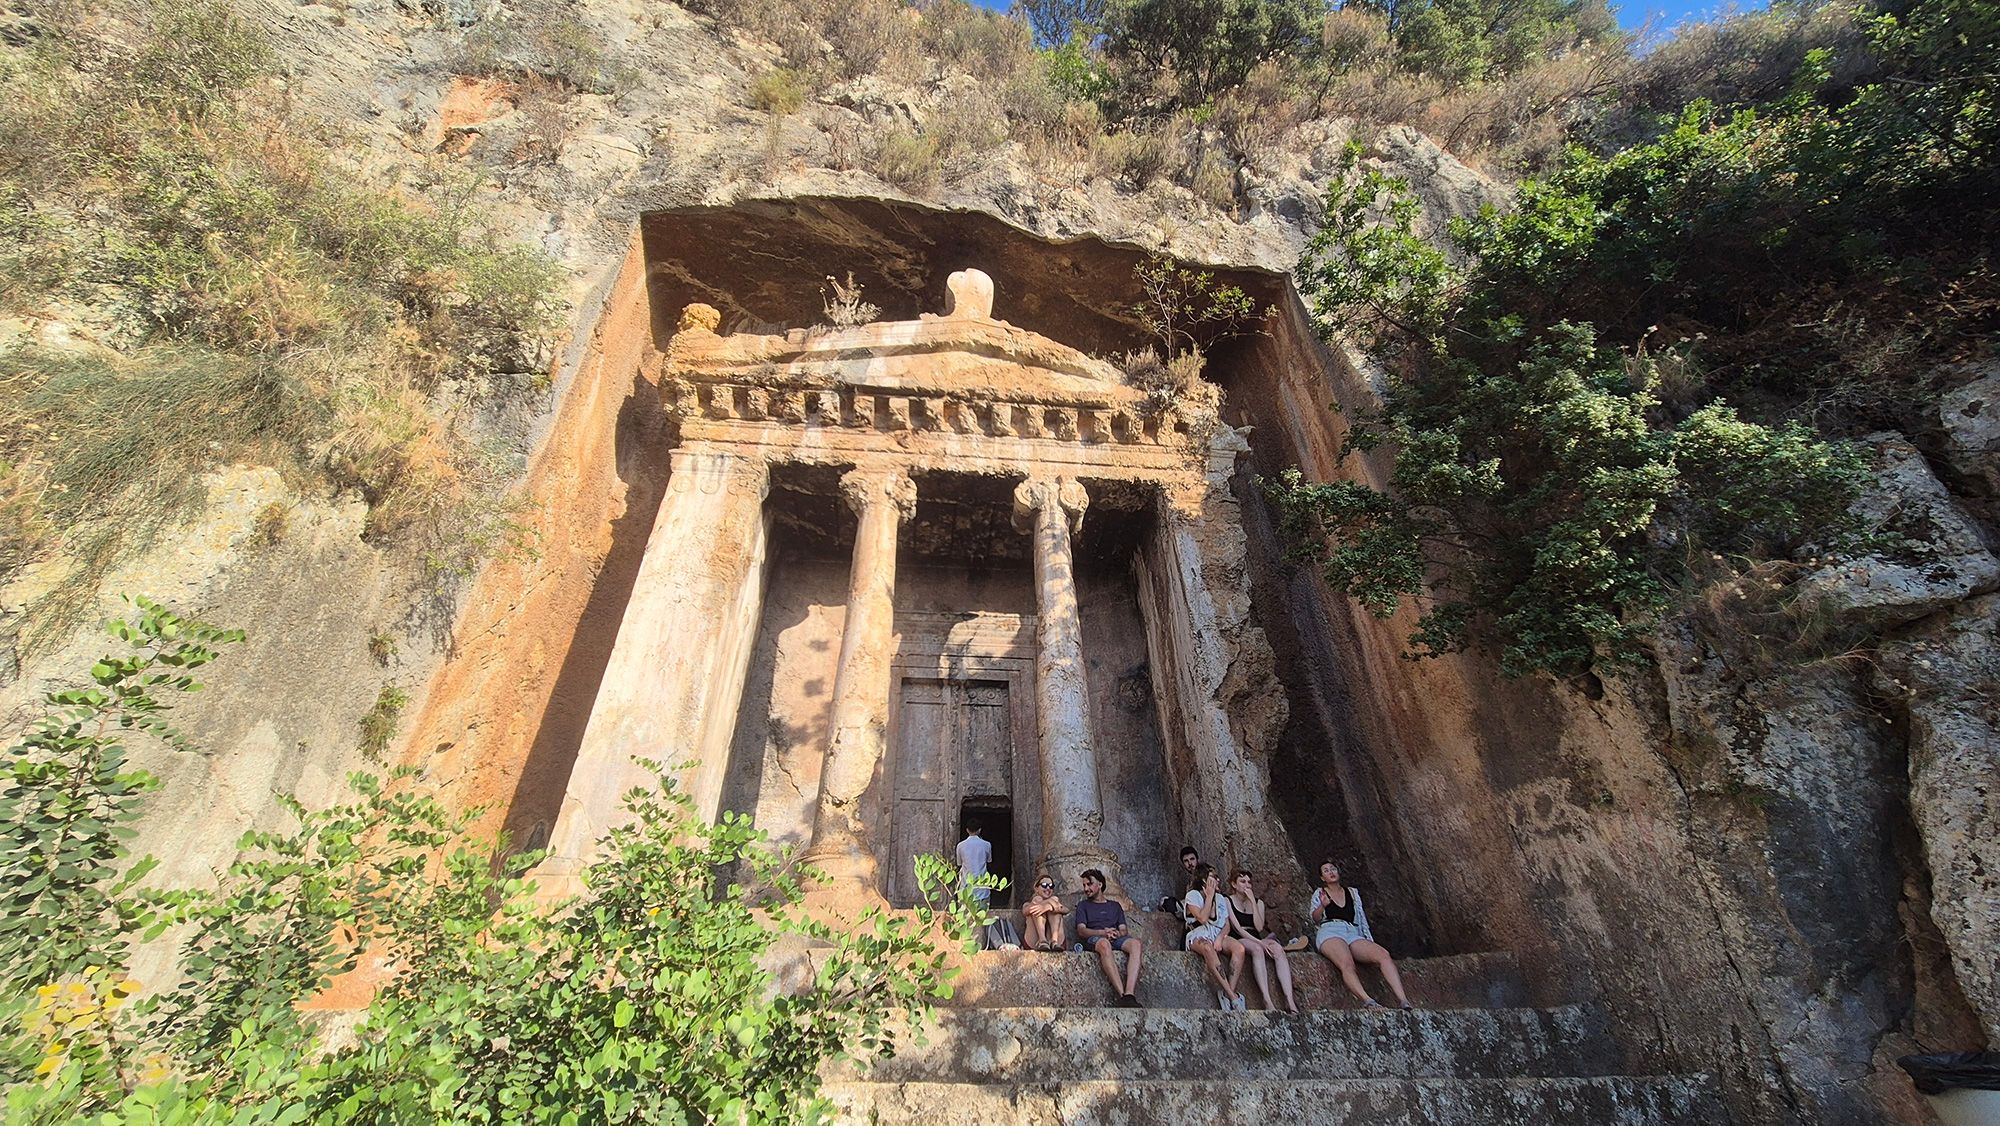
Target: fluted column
[883,499]
[671,686]
[1072,812]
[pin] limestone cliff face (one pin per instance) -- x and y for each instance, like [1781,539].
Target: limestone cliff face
[1782,871]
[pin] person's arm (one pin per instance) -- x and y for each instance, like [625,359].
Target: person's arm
[1236,922]
[1084,930]
[1200,910]
[1257,915]
[1315,908]
[1360,916]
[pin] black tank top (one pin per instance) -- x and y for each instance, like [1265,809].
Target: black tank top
[1342,911]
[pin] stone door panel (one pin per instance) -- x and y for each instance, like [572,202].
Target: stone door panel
[954,739]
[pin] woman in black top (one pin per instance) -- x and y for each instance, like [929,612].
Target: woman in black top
[1247,920]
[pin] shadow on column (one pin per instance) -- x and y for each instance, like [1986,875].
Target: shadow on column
[640,452]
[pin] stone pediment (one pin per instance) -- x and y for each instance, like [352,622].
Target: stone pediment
[961,389]
[963,353]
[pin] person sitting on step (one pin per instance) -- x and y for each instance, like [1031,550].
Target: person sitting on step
[1100,927]
[1210,936]
[1190,860]
[1247,924]
[1044,911]
[1343,937]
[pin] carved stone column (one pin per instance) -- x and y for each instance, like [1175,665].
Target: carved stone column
[676,670]
[1222,705]
[1072,811]
[883,499]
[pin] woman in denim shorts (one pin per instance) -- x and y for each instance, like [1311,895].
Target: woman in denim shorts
[1343,938]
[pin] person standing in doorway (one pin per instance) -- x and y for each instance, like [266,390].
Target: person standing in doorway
[1100,927]
[975,857]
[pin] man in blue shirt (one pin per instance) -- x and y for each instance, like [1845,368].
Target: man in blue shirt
[1100,926]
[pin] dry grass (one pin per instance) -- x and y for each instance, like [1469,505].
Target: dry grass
[278,313]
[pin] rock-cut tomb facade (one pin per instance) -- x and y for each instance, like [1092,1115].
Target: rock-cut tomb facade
[873,607]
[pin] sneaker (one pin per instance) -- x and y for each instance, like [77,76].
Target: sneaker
[1241,1005]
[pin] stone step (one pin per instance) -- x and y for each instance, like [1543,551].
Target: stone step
[1040,1045]
[1625,1100]
[1176,979]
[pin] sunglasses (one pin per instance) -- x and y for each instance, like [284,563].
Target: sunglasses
[1046,884]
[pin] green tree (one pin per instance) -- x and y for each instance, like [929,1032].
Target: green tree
[1206,46]
[1541,487]
[1461,41]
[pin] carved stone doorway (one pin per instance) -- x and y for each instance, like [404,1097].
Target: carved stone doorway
[954,754]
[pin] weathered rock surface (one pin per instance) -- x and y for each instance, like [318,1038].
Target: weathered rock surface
[1946,674]
[1943,558]
[1970,417]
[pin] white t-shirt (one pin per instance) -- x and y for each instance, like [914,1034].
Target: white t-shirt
[974,854]
[1218,912]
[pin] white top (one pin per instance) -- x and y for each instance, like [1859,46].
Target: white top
[974,854]
[1218,911]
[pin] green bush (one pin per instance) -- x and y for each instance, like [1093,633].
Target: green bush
[780,90]
[1542,493]
[646,999]
[1205,46]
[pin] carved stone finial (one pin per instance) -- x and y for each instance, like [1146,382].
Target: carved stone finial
[1031,495]
[969,296]
[863,488]
[699,318]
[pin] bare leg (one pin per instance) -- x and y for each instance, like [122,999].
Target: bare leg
[1107,962]
[1372,952]
[1335,951]
[1206,948]
[1235,951]
[1257,970]
[1134,950]
[1283,962]
[1041,930]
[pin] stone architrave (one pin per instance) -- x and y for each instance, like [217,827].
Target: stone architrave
[883,499]
[676,671]
[1051,509]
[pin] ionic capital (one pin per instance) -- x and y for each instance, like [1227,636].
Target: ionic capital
[1037,493]
[866,488]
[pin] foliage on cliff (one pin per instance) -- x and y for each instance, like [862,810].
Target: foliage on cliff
[1561,407]
[264,305]
[644,1000]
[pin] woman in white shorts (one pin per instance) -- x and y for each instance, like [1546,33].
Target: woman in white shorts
[1343,938]
[1209,909]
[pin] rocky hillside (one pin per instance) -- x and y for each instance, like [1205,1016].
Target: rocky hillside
[1771,849]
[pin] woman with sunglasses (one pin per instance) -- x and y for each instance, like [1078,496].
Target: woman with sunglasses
[1044,912]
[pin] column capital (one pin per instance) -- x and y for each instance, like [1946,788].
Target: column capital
[865,488]
[1067,494]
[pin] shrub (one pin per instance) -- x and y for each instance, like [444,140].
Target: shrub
[379,722]
[1207,46]
[648,998]
[1540,493]
[780,90]
[909,159]
[263,294]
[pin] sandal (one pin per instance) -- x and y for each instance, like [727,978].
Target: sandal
[1372,1003]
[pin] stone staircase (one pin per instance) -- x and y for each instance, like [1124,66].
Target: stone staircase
[1030,1038]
